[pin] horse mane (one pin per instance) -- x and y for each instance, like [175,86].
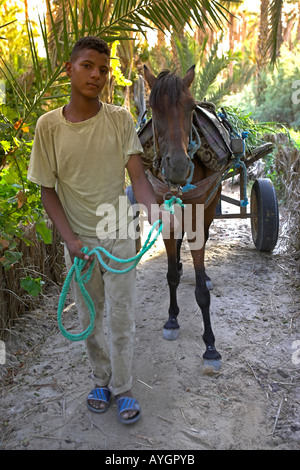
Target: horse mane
[169,84]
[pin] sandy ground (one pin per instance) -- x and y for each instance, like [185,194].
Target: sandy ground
[253,403]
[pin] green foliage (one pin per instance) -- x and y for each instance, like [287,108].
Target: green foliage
[32,286]
[295,135]
[12,39]
[217,74]
[20,203]
[257,133]
[244,122]
[278,104]
[78,18]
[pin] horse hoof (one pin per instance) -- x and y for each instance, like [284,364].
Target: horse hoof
[170,334]
[212,366]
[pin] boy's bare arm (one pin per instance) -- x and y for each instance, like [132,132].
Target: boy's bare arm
[141,187]
[55,211]
[144,193]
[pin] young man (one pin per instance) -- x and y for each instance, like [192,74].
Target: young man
[79,157]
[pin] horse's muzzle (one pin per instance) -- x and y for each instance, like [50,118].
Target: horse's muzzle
[176,169]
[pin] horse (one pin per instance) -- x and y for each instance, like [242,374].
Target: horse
[173,171]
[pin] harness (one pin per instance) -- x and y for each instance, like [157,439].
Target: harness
[237,151]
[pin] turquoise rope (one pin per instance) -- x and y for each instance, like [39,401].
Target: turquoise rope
[169,204]
[82,279]
[240,164]
[194,145]
[237,163]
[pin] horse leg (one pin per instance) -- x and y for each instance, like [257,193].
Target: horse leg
[171,327]
[211,357]
[178,248]
[210,213]
[208,280]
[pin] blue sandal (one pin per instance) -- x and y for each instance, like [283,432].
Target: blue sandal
[101,394]
[128,404]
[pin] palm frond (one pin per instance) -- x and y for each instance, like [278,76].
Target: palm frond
[209,71]
[239,77]
[17,89]
[186,54]
[111,20]
[275,13]
[172,14]
[6,24]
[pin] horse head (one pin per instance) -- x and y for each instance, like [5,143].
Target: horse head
[172,110]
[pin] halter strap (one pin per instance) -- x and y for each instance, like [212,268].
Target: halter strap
[155,163]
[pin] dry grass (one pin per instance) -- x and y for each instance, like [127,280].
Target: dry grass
[287,165]
[39,260]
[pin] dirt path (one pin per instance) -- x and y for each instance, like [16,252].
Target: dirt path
[253,403]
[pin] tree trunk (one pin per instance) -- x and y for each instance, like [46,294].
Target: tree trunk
[160,44]
[298,26]
[261,55]
[26,9]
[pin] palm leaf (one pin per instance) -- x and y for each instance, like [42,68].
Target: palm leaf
[275,11]
[209,71]
[17,89]
[110,20]
[6,24]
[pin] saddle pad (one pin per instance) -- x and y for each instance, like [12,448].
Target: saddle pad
[214,132]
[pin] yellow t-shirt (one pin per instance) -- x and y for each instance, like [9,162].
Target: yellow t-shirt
[86,162]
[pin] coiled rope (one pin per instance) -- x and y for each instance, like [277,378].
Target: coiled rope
[82,279]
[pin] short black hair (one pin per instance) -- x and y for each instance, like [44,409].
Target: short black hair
[90,42]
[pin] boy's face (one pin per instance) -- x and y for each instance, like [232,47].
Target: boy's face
[88,73]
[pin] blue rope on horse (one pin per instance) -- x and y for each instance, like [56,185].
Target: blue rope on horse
[82,279]
[169,204]
[238,163]
[194,145]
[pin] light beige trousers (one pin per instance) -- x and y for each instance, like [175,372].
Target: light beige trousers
[111,351]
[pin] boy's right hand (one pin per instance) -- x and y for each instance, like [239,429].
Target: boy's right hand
[74,247]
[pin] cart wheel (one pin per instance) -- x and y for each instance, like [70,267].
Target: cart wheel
[265,223]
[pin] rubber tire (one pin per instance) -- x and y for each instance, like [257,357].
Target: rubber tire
[265,226]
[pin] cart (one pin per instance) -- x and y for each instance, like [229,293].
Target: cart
[264,213]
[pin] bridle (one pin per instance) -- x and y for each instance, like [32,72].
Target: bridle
[193,146]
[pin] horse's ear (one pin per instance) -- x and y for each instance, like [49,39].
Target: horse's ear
[189,77]
[150,78]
